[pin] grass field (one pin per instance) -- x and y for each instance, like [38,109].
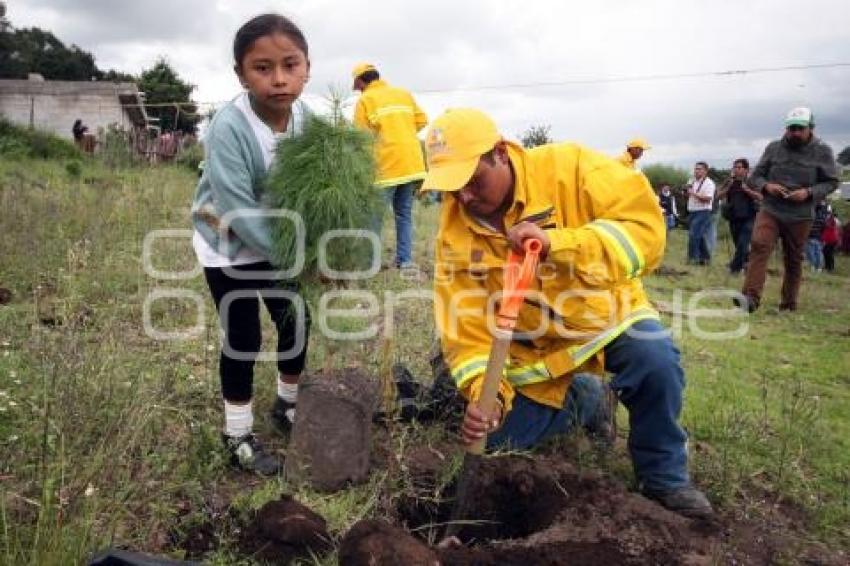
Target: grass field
[110,437]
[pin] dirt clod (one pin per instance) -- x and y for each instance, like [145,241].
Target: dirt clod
[375,542]
[290,522]
[5,296]
[284,530]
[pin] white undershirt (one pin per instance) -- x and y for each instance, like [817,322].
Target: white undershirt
[209,256]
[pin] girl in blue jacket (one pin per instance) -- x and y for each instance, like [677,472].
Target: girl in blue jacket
[232,236]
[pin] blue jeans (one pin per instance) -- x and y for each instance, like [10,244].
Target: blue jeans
[401,199]
[814,253]
[649,382]
[699,223]
[670,220]
[530,422]
[711,234]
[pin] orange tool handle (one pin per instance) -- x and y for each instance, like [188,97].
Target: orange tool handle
[519,272]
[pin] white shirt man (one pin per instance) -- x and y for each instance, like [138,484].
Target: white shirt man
[700,197]
[701,191]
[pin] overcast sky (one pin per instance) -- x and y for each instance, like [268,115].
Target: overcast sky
[454,47]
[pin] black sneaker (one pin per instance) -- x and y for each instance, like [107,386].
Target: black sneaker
[687,501]
[283,415]
[247,453]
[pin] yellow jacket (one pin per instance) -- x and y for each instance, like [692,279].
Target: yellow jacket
[393,116]
[626,159]
[606,230]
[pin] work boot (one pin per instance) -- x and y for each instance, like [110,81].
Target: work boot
[601,429]
[283,415]
[246,453]
[745,303]
[687,501]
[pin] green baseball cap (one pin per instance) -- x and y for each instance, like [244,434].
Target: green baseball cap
[800,116]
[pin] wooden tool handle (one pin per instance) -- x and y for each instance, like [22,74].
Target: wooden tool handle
[488,401]
[519,272]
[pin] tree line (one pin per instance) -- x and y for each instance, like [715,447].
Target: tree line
[35,50]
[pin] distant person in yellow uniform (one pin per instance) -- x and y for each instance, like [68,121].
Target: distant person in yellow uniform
[393,116]
[634,151]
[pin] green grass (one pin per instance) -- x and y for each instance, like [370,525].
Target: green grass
[17,142]
[109,437]
[770,409]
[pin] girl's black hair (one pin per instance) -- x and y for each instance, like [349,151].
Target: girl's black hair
[265,24]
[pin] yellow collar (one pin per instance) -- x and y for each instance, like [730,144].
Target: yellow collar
[375,83]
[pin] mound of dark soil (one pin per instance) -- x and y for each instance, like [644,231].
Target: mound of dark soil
[544,511]
[284,530]
[373,542]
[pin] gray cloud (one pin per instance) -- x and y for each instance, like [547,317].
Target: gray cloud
[449,44]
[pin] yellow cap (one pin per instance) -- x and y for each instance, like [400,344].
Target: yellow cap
[361,68]
[638,142]
[454,143]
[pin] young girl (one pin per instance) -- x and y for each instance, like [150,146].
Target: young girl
[232,238]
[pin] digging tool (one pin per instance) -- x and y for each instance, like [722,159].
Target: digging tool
[519,271]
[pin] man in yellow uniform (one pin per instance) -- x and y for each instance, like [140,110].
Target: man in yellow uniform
[393,116]
[634,151]
[601,229]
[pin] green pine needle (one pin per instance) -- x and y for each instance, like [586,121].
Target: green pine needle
[327,176]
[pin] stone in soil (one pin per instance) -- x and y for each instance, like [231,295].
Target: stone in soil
[331,440]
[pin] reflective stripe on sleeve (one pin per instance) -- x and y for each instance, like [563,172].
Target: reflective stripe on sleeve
[580,354]
[387,110]
[626,250]
[468,369]
[526,375]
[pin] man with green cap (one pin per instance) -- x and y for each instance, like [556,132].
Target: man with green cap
[794,173]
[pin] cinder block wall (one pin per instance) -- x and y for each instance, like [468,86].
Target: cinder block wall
[55,105]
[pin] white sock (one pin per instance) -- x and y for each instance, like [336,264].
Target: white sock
[287,391]
[238,419]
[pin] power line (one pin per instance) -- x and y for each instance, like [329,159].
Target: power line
[564,82]
[637,78]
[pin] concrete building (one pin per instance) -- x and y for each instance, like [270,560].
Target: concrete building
[54,105]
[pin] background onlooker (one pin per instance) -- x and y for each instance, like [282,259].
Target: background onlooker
[794,172]
[667,201]
[700,197]
[830,237]
[814,246]
[634,151]
[739,209]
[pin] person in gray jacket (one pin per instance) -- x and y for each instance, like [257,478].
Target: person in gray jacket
[793,174]
[232,238]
